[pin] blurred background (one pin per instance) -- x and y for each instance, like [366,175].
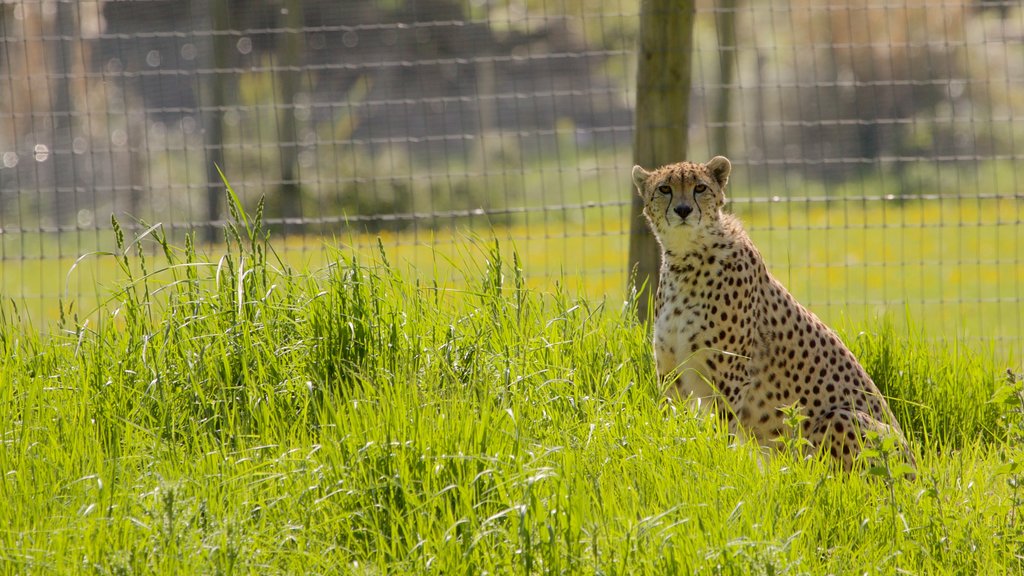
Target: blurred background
[875,144]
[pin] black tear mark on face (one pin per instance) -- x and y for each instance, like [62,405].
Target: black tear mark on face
[660,190]
[700,211]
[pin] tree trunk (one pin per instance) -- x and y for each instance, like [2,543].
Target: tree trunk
[662,120]
[62,157]
[214,115]
[290,77]
[135,128]
[725,22]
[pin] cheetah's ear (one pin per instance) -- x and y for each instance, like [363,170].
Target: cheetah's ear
[720,167]
[640,178]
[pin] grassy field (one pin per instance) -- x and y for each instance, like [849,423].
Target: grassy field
[235,416]
[952,268]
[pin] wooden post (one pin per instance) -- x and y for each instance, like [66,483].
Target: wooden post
[662,120]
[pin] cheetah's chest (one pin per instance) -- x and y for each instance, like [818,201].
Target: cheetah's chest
[702,328]
[676,333]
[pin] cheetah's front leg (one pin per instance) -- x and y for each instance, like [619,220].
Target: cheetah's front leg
[691,383]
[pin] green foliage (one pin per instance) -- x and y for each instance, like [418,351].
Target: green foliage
[940,397]
[1010,398]
[232,415]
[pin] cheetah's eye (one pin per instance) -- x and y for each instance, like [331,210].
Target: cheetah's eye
[665,189]
[699,188]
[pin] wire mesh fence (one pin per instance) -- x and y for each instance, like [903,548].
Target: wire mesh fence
[875,144]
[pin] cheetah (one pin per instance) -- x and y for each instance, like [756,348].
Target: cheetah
[730,339]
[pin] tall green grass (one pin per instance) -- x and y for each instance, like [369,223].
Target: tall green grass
[235,416]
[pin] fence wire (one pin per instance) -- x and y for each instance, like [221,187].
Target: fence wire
[875,145]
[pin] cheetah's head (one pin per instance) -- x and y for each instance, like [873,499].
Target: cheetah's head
[683,197]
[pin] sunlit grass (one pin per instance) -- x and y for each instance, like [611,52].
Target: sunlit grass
[953,268]
[228,414]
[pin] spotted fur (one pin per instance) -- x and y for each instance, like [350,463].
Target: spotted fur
[730,338]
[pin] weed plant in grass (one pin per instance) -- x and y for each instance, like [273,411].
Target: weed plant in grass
[236,416]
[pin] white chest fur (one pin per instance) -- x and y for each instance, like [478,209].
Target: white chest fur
[681,350]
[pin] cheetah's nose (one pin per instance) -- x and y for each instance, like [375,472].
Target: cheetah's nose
[683,210]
